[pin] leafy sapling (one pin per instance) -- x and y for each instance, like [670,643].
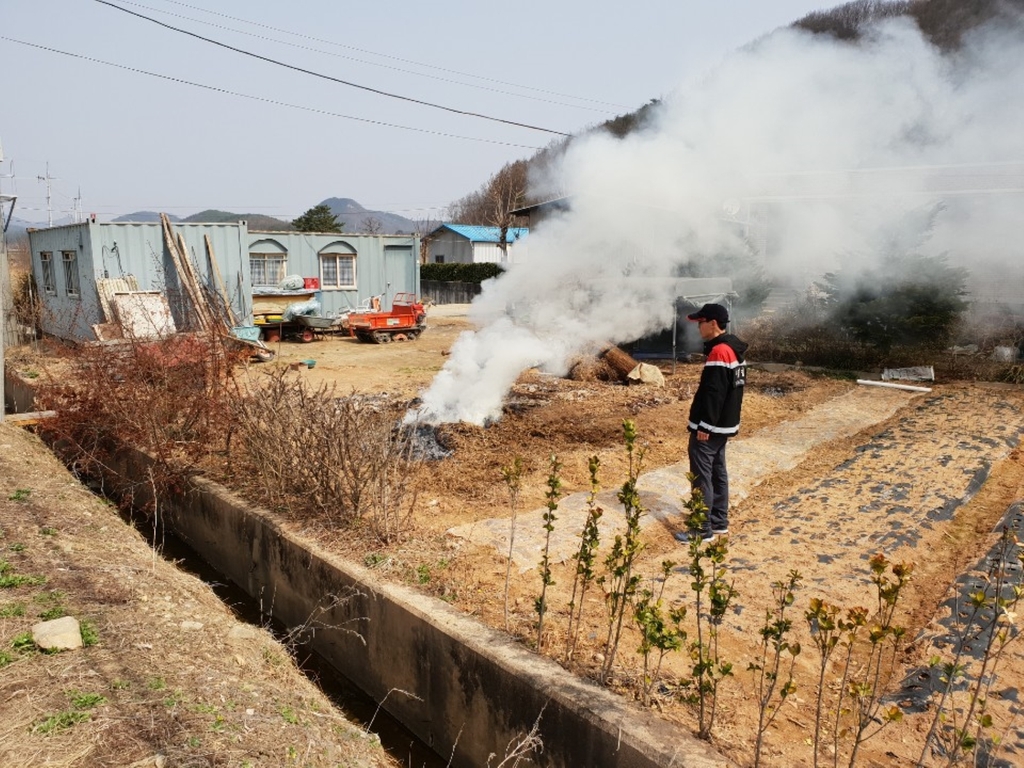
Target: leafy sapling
[713,595]
[823,622]
[513,477]
[551,506]
[620,580]
[773,673]
[585,557]
[660,632]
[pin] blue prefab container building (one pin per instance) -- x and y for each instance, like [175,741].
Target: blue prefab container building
[68,261]
[348,268]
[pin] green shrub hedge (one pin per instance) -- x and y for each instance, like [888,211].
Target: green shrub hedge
[460,273]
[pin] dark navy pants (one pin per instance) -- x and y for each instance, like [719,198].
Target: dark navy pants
[707,462]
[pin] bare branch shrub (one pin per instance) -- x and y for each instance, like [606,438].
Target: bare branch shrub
[166,397]
[342,459]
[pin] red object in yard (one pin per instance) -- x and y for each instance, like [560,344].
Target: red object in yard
[311,283]
[406,320]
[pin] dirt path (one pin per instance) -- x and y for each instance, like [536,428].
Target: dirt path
[664,490]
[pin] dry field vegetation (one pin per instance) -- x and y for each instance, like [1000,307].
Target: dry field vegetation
[928,486]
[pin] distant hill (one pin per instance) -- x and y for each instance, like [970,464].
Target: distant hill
[353,217]
[356,219]
[257,221]
[145,216]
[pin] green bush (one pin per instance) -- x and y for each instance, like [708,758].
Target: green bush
[460,273]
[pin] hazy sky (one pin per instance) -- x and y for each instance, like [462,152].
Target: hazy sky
[131,141]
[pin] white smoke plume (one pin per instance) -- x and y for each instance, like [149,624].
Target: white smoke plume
[815,146]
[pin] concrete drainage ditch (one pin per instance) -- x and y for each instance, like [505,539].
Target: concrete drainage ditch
[464,689]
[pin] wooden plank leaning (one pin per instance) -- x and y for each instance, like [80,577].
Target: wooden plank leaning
[202,303]
[215,268]
[176,259]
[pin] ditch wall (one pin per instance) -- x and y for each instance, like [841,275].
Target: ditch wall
[466,690]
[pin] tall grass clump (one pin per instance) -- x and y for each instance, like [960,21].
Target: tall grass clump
[340,460]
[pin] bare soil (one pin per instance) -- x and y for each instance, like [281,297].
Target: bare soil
[929,482]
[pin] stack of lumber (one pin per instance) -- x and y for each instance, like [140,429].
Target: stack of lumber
[206,314]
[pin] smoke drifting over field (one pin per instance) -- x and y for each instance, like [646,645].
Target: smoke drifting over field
[826,147]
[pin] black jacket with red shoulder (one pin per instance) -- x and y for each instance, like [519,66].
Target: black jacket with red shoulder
[716,406]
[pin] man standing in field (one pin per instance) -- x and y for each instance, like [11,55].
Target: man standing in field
[715,415]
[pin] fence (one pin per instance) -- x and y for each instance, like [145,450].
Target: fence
[449,293]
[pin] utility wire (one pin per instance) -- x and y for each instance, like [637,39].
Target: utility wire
[333,79]
[392,58]
[384,66]
[263,99]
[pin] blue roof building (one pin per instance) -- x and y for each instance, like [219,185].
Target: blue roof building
[473,244]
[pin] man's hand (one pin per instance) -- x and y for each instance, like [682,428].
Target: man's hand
[702,437]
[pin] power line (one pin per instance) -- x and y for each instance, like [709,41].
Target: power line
[350,84]
[387,66]
[215,89]
[388,56]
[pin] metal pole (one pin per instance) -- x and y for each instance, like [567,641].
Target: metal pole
[675,324]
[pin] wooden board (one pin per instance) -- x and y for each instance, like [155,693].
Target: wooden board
[144,314]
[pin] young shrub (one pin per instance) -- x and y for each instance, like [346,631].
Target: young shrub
[660,633]
[513,477]
[980,638]
[585,557]
[552,495]
[770,668]
[823,622]
[863,684]
[712,596]
[620,581]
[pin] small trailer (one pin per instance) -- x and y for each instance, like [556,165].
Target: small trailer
[406,321]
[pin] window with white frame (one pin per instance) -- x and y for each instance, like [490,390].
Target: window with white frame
[49,282]
[337,270]
[267,268]
[70,260]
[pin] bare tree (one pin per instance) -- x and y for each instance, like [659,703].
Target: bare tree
[493,203]
[506,191]
[372,225]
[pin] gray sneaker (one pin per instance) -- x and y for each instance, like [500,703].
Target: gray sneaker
[684,537]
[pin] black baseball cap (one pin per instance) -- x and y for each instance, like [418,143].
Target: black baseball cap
[712,312]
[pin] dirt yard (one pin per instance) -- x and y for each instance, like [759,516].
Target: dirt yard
[826,474]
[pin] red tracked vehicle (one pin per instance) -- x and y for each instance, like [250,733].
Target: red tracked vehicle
[405,322]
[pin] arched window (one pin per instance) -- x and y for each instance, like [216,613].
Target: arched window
[268,262]
[338,266]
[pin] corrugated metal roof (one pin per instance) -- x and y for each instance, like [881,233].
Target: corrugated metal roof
[478,234]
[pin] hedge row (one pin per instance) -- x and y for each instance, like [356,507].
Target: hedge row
[460,273]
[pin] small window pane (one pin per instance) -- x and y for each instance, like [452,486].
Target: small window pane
[49,282]
[70,259]
[267,268]
[337,270]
